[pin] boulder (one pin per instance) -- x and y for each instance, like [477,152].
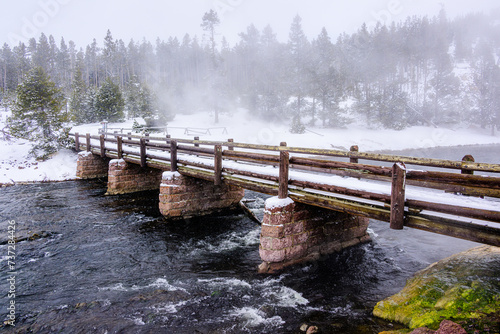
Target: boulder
[464,288]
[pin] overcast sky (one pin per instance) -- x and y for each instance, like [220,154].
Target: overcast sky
[83,20]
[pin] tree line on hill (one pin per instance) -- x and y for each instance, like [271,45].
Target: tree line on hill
[418,71]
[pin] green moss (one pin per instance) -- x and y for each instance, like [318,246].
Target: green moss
[458,288]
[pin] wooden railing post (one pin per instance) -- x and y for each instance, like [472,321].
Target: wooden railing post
[77,141]
[218,165]
[230,148]
[103,146]
[87,141]
[283,173]
[196,144]
[119,145]
[467,158]
[354,148]
[173,155]
[143,152]
[129,135]
[398,196]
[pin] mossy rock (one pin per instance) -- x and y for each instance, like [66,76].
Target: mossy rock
[462,287]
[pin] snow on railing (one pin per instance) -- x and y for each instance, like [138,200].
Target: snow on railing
[427,200]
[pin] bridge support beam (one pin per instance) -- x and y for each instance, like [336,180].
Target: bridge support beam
[294,233]
[90,166]
[125,178]
[183,196]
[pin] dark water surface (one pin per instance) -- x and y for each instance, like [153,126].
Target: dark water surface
[112,264]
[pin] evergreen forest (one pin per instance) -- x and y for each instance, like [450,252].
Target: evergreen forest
[421,71]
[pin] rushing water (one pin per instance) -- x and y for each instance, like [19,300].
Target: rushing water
[108,264]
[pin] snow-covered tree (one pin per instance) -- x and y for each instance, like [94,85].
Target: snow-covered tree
[298,78]
[38,114]
[82,103]
[209,23]
[487,81]
[140,101]
[109,103]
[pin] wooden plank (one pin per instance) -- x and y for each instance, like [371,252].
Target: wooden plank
[131,142]
[196,173]
[173,155]
[77,141]
[342,191]
[355,149]
[87,140]
[119,146]
[195,150]
[457,229]
[283,174]
[342,172]
[110,140]
[102,146]
[493,216]
[158,145]
[195,164]
[260,187]
[143,152]
[254,157]
[453,188]
[378,170]
[398,196]
[251,174]
[454,178]
[218,165]
[466,159]
[342,205]
[495,168]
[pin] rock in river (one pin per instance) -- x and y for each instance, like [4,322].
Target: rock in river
[464,288]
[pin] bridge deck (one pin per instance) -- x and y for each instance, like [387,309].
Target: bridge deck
[433,201]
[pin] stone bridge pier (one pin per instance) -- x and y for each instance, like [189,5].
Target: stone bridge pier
[183,196]
[293,232]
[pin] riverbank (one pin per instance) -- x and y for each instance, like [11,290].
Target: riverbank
[17,168]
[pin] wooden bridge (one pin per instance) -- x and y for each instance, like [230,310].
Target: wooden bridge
[448,198]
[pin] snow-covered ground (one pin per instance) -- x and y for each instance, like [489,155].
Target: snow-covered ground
[16,167]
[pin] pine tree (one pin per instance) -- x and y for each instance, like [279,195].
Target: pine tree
[139,100]
[109,103]
[8,71]
[487,81]
[37,114]
[209,22]
[299,52]
[272,93]
[81,103]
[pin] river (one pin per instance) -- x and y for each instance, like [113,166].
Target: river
[108,264]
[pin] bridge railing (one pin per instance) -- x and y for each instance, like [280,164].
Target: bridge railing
[312,176]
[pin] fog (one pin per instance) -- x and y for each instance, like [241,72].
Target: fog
[389,64]
[82,21]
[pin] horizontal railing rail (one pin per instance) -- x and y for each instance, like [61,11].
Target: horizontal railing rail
[427,200]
